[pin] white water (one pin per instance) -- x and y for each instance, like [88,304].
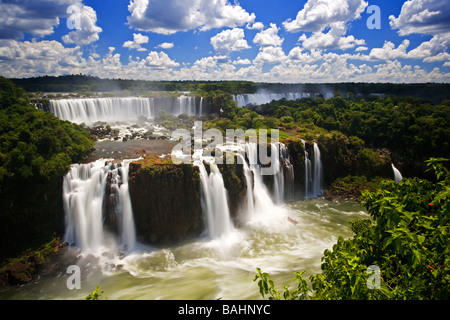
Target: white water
[220,268]
[317,181]
[263,98]
[313,173]
[83,196]
[91,110]
[215,202]
[397,175]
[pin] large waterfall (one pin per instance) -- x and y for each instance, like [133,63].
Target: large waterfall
[85,199]
[102,109]
[91,110]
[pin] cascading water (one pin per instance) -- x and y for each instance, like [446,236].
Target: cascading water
[397,175]
[185,104]
[262,98]
[313,172]
[102,109]
[91,110]
[84,195]
[317,182]
[215,201]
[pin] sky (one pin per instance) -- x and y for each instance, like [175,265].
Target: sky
[288,41]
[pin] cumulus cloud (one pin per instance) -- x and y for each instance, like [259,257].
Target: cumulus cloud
[36,17]
[422,16]
[255,26]
[38,58]
[86,31]
[171,16]
[160,60]
[328,21]
[165,45]
[138,40]
[270,54]
[269,37]
[229,40]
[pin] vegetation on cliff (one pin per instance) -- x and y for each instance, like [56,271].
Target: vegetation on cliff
[36,150]
[402,252]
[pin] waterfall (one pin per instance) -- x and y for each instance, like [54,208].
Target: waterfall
[84,195]
[288,172]
[313,172]
[262,98]
[261,196]
[91,110]
[308,174]
[397,175]
[102,109]
[214,200]
[317,182]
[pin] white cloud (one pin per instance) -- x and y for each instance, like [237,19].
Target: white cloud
[159,60]
[171,16]
[138,40]
[242,62]
[362,48]
[86,30]
[270,55]
[389,51]
[255,26]
[269,37]
[422,16]
[328,22]
[165,45]
[18,59]
[318,14]
[229,40]
[36,17]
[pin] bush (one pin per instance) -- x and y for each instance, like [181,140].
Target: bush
[407,239]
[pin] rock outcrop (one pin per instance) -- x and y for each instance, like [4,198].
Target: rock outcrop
[166,200]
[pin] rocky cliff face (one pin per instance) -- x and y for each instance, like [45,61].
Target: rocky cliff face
[166,201]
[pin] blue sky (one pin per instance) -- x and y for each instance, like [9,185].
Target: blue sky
[257,40]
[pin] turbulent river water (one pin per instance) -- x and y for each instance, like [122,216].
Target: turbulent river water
[220,268]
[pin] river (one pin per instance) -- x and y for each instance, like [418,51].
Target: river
[212,269]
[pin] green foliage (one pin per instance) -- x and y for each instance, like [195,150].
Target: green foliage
[407,237]
[95,295]
[267,287]
[35,145]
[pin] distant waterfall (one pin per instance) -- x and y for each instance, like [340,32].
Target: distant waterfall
[397,175]
[185,104]
[91,110]
[262,98]
[102,109]
[84,195]
[313,172]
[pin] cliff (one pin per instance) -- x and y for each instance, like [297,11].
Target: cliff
[166,200]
